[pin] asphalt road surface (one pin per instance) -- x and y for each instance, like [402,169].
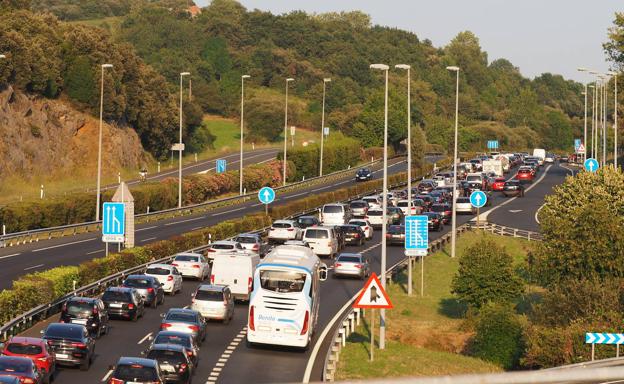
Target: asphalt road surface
[225,358]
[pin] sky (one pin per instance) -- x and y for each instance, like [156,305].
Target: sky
[538,36]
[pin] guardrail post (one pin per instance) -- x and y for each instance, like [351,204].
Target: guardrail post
[515,232]
[529,236]
[343,337]
[502,231]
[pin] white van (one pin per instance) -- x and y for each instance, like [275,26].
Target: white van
[235,271]
[322,240]
[540,154]
[335,214]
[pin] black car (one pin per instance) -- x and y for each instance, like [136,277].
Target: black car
[427,201]
[444,210]
[353,234]
[396,215]
[136,370]
[175,366]
[179,338]
[396,235]
[126,303]
[22,368]
[426,186]
[340,237]
[150,289]
[513,188]
[435,221]
[308,221]
[87,311]
[363,174]
[71,344]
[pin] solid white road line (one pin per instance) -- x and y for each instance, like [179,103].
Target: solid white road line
[145,229]
[98,251]
[186,221]
[148,239]
[63,245]
[7,256]
[230,211]
[34,266]
[145,338]
[537,212]
[105,378]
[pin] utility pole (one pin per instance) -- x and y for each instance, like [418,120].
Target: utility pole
[242,114]
[182,74]
[454,208]
[325,81]
[99,165]
[288,80]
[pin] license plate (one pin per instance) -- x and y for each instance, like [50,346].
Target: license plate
[62,356]
[79,321]
[115,305]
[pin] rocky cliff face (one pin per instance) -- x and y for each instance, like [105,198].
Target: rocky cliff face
[42,137]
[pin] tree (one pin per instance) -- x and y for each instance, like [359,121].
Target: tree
[498,336]
[79,81]
[486,274]
[614,48]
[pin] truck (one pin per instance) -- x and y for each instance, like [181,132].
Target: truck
[540,154]
[495,166]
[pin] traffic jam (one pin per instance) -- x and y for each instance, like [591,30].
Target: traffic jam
[283,263]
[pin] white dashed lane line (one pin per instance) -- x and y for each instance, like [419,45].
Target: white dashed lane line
[9,256]
[225,356]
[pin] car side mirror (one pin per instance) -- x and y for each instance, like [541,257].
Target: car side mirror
[143,353]
[42,332]
[162,315]
[1,346]
[162,284]
[150,338]
[193,294]
[111,367]
[323,272]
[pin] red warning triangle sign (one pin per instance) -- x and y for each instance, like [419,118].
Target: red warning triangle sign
[373,295]
[581,148]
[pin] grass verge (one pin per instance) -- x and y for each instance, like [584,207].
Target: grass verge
[425,336]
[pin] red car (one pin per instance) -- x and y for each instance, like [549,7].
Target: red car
[525,175]
[36,350]
[497,184]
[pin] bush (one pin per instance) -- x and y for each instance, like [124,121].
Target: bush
[498,336]
[486,274]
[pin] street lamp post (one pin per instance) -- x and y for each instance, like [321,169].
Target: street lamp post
[384,225]
[242,114]
[585,113]
[288,80]
[99,166]
[325,81]
[604,121]
[615,121]
[589,147]
[453,207]
[182,74]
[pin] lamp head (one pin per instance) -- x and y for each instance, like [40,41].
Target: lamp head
[326,80]
[107,65]
[382,67]
[402,66]
[245,76]
[185,73]
[453,68]
[289,79]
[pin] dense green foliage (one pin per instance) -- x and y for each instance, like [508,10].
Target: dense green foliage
[498,336]
[486,274]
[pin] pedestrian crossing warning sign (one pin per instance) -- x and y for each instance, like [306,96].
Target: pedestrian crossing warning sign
[373,295]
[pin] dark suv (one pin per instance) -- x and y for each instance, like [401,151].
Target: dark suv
[71,344]
[173,361]
[363,174]
[148,287]
[124,302]
[87,311]
[136,370]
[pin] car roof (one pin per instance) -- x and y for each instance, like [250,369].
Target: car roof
[82,299]
[137,360]
[120,289]
[284,221]
[26,340]
[65,325]
[188,254]
[350,254]
[254,235]
[182,310]
[17,359]
[157,265]
[228,242]
[141,276]
[212,287]
[168,347]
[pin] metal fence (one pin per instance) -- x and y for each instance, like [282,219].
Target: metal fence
[507,231]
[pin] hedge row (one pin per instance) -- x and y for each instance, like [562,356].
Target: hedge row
[79,207]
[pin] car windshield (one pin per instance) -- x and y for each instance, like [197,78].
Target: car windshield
[439,208]
[281,225]
[307,220]
[282,281]
[473,178]
[158,271]
[463,200]
[317,233]
[182,317]
[78,307]
[136,373]
[396,229]
[187,258]
[173,339]
[64,332]
[209,295]
[24,349]
[222,246]
[15,366]
[349,259]
[246,240]
[360,223]
[332,209]
[359,204]
[165,356]
[375,213]
[116,296]
[137,283]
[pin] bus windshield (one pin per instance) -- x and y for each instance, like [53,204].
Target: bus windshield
[282,281]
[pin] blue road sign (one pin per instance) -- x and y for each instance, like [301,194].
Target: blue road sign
[577,144]
[604,338]
[478,199]
[492,144]
[221,166]
[113,222]
[416,235]
[266,195]
[591,165]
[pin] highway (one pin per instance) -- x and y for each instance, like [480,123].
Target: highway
[225,358]
[72,250]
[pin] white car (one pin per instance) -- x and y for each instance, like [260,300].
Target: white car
[283,230]
[375,217]
[365,225]
[322,240]
[549,158]
[405,205]
[192,265]
[373,201]
[335,214]
[168,275]
[463,205]
[224,248]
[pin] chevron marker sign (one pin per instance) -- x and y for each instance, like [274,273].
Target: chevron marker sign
[604,338]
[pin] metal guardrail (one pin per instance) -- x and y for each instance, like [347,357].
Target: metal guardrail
[36,235]
[508,231]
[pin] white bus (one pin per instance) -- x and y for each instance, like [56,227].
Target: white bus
[285,299]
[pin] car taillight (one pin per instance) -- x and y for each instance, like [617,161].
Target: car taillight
[79,345]
[249,282]
[165,325]
[388,235]
[169,278]
[174,264]
[150,290]
[27,380]
[95,310]
[116,381]
[194,328]
[252,325]
[366,228]
[337,265]
[212,250]
[64,307]
[196,266]
[189,353]
[272,229]
[255,247]
[43,359]
[130,306]
[366,217]
[306,321]
[290,229]
[359,266]
[182,368]
[212,279]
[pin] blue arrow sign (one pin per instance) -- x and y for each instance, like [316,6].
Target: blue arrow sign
[113,222]
[221,166]
[591,165]
[266,195]
[604,338]
[577,144]
[492,144]
[416,235]
[478,199]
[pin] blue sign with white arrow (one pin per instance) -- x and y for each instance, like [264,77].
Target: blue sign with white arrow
[604,338]
[591,165]
[113,222]
[416,235]
[266,195]
[577,144]
[221,165]
[478,199]
[492,144]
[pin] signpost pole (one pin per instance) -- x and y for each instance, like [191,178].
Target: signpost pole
[266,209]
[106,248]
[478,214]
[593,350]
[422,276]
[372,330]
[409,275]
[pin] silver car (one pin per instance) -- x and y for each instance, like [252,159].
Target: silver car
[214,302]
[252,242]
[351,264]
[359,208]
[184,320]
[462,205]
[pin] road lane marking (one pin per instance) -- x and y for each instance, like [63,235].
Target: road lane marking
[92,252]
[230,211]
[145,338]
[298,194]
[148,239]
[34,266]
[7,256]
[216,370]
[145,229]
[186,221]
[537,212]
[63,245]
[105,378]
[196,228]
